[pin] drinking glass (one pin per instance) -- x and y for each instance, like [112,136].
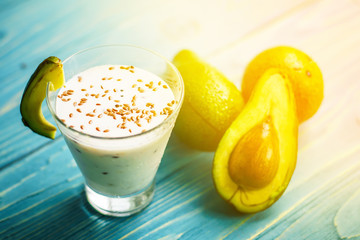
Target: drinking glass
[119,172]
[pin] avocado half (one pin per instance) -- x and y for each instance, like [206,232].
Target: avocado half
[257,155]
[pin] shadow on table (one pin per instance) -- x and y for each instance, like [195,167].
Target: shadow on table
[67,215]
[196,176]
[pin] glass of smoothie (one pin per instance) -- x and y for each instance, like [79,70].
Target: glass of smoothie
[116,112]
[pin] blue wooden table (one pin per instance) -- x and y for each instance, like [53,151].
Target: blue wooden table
[41,188]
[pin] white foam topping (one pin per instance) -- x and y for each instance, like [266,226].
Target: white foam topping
[114,101]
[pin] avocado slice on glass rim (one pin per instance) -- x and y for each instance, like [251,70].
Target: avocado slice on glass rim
[49,71]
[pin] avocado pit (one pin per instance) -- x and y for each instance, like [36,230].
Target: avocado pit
[255,159]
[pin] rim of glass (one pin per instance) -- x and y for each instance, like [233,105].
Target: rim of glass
[53,112]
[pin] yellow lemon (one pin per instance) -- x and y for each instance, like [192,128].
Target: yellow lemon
[211,103]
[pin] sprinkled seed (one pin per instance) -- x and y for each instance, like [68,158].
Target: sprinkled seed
[90,115]
[139,125]
[100,115]
[106,91]
[82,126]
[97,129]
[75,103]
[90,122]
[91,86]
[159,83]
[109,97]
[173,102]
[143,131]
[59,96]
[130,130]
[83,89]
[70,115]
[132,67]
[94,110]
[134,85]
[71,126]
[117,101]
[103,79]
[118,79]
[101,87]
[97,95]
[103,95]
[117,105]
[63,120]
[79,78]
[79,110]
[110,78]
[139,80]
[87,95]
[111,68]
[98,104]
[140,90]
[154,89]
[106,130]
[132,71]
[164,86]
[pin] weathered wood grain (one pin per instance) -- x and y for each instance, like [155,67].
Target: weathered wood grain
[148,26]
[41,192]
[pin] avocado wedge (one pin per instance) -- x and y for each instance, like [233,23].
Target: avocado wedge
[50,70]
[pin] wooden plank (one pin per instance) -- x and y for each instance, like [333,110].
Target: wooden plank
[39,197]
[126,23]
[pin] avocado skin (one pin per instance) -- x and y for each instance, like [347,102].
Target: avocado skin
[50,70]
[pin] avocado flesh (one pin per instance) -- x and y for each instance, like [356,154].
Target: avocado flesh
[272,102]
[50,70]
